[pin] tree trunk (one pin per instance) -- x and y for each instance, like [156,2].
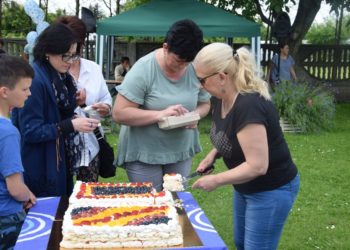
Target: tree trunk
[340,24]
[46,9]
[1,17]
[307,11]
[117,11]
[77,7]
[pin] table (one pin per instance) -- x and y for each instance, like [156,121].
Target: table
[42,227]
[115,82]
[111,84]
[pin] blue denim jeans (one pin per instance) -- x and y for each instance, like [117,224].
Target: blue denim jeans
[259,218]
[10,227]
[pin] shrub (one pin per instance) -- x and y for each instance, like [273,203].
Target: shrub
[310,109]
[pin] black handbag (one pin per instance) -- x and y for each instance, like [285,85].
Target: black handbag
[106,156]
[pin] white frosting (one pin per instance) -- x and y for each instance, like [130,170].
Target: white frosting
[173,182]
[86,236]
[125,200]
[161,235]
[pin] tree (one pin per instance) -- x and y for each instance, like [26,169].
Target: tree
[338,7]
[77,7]
[16,23]
[118,7]
[51,17]
[323,33]
[44,4]
[306,13]
[108,4]
[130,4]
[98,14]
[2,3]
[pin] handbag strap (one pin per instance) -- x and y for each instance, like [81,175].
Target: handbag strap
[98,134]
[278,67]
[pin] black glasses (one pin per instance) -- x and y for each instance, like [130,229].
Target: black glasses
[67,58]
[202,80]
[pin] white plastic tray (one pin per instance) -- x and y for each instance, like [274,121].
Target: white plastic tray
[171,122]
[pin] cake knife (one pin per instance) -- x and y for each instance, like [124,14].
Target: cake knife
[197,173]
[191,176]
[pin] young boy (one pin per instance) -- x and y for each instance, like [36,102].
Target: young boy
[15,79]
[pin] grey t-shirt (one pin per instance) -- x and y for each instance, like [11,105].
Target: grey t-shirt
[147,85]
[284,70]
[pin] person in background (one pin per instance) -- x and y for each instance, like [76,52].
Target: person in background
[15,79]
[88,77]
[246,134]
[47,121]
[121,69]
[2,46]
[162,83]
[282,66]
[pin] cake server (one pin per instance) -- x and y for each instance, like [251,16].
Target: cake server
[197,173]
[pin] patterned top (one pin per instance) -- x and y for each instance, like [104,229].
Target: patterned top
[252,108]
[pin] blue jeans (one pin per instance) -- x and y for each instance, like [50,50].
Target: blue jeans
[10,227]
[259,218]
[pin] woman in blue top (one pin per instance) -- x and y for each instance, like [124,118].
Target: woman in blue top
[247,135]
[282,66]
[162,83]
[47,121]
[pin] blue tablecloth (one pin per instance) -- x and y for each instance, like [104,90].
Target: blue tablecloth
[36,229]
[206,232]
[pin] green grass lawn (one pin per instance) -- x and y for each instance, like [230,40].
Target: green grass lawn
[321,215]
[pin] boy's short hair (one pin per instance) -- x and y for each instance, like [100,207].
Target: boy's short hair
[12,69]
[2,42]
[185,39]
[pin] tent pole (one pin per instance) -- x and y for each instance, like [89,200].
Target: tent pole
[229,41]
[258,54]
[99,51]
[87,47]
[109,41]
[108,65]
[252,46]
[255,48]
[111,55]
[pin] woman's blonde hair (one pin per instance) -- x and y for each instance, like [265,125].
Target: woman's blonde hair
[239,65]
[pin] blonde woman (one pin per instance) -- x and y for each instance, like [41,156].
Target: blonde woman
[247,135]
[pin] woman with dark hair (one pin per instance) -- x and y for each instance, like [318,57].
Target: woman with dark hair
[281,66]
[162,83]
[88,77]
[47,122]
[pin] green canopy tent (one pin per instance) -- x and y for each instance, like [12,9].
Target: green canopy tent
[155,18]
